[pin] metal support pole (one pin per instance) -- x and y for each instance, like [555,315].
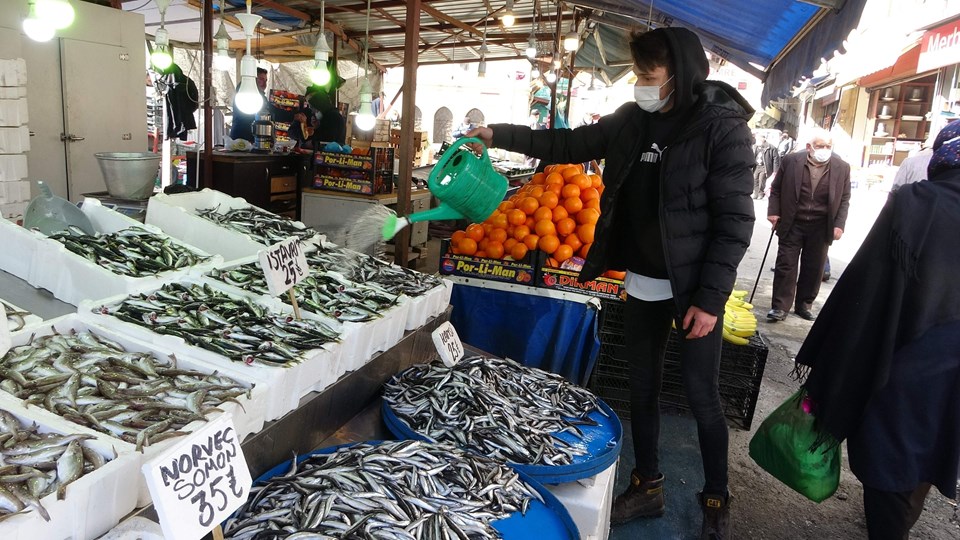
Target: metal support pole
[207,178]
[557,53]
[407,125]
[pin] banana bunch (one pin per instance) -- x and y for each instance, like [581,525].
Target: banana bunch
[739,323]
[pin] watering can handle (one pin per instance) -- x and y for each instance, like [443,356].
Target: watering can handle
[462,141]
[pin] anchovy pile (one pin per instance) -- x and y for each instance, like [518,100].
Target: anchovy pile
[131,252]
[237,328]
[262,226]
[393,490]
[34,465]
[323,292]
[495,408]
[15,317]
[362,268]
[93,381]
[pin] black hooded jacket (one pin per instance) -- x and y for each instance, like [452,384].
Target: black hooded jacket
[706,178]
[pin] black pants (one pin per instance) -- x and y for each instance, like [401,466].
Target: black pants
[890,514]
[759,181]
[805,245]
[646,329]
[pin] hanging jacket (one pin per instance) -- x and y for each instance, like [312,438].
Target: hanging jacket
[182,99]
[706,178]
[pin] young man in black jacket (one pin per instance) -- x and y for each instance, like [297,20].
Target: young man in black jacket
[676,214]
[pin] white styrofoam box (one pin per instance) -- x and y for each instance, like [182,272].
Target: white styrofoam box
[14,191]
[13,92]
[28,320]
[249,414]
[73,278]
[12,112]
[13,72]
[20,248]
[176,215]
[589,502]
[14,140]
[12,210]
[12,167]
[287,384]
[94,503]
[430,304]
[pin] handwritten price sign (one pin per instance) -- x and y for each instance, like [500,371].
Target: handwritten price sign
[448,344]
[284,264]
[200,481]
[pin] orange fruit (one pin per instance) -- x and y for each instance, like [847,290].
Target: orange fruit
[566,226]
[531,240]
[553,178]
[550,168]
[519,251]
[482,244]
[521,231]
[589,193]
[529,205]
[487,227]
[500,221]
[536,192]
[508,244]
[549,199]
[480,254]
[587,215]
[545,227]
[585,232]
[592,203]
[457,236]
[494,250]
[467,246]
[584,250]
[538,178]
[595,181]
[475,232]
[530,223]
[570,172]
[516,217]
[563,252]
[498,235]
[555,189]
[570,190]
[615,274]
[454,249]
[552,263]
[559,213]
[505,206]
[549,243]
[582,181]
[573,241]
[573,204]
[543,213]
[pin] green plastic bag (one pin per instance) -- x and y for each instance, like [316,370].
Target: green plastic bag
[781,446]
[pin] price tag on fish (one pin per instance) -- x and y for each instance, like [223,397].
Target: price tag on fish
[284,265]
[200,481]
[448,344]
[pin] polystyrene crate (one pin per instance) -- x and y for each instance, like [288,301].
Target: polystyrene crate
[20,247]
[249,414]
[13,167]
[73,278]
[287,384]
[93,504]
[589,502]
[430,304]
[177,216]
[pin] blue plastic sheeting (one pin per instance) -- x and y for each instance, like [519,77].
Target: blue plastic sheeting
[555,335]
[272,15]
[826,37]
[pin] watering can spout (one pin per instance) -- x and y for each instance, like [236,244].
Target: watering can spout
[394,224]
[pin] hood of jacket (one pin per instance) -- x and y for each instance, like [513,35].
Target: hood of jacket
[690,66]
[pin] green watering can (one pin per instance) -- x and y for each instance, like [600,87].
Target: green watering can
[468,188]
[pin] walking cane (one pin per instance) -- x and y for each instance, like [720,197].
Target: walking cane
[762,264]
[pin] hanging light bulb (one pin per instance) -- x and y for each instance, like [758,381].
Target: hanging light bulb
[535,72]
[320,74]
[161,58]
[551,76]
[571,41]
[508,18]
[222,60]
[365,119]
[531,46]
[248,97]
[36,28]
[59,13]
[482,68]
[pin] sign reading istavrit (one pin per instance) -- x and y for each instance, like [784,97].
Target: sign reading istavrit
[940,47]
[200,481]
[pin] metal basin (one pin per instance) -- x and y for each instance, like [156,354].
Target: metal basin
[129,175]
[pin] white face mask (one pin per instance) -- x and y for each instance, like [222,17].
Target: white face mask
[648,97]
[821,155]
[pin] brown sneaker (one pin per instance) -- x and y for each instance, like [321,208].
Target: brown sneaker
[716,517]
[644,498]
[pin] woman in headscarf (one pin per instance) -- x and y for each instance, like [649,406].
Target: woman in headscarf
[882,361]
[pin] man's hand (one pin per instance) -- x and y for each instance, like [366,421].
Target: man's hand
[773,220]
[837,233]
[485,135]
[698,322]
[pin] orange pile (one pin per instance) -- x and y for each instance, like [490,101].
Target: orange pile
[556,212]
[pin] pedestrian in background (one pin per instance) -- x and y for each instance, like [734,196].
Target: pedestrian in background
[914,168]
[809,199]
[785,146]
[768,161]
[883,359]
[678,217]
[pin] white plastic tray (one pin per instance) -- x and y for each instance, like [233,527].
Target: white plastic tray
[28,320]
[94,503]
[19,250]
[249,414]
[177,216]
[287,384]
[430,304]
